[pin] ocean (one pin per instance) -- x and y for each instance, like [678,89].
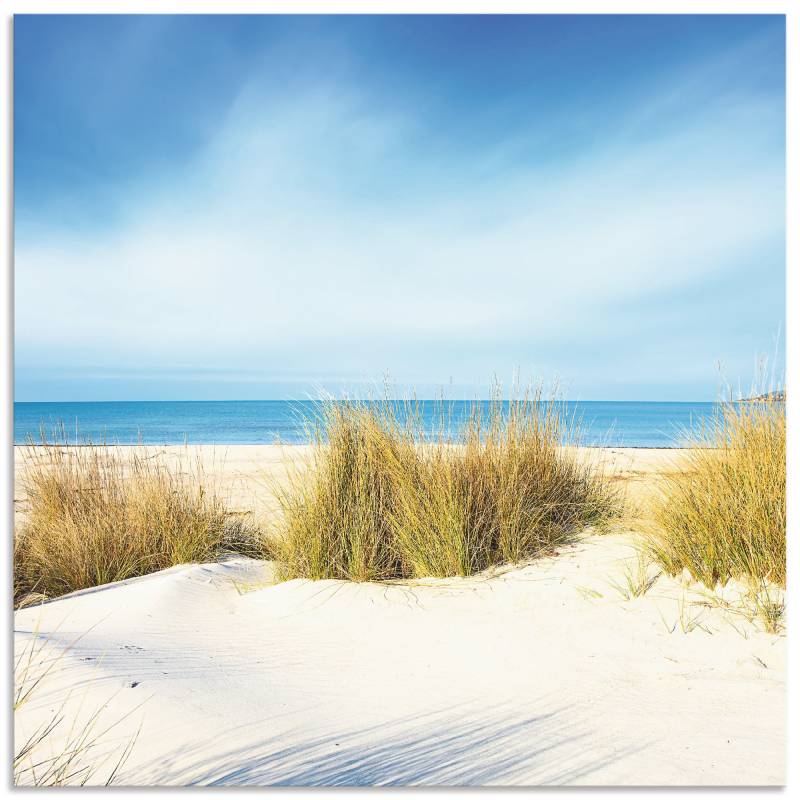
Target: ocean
[603,423]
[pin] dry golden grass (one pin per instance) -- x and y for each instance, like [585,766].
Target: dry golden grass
[724,515]
[97,515]
[383,500]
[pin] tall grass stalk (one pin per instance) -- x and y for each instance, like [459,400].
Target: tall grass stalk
[386,499]
[61,751]
[724,514]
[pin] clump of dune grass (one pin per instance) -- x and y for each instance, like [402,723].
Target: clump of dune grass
[384,499]
[337,514]
[98,514]
[724,514]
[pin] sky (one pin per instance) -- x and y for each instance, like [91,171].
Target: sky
[232,207]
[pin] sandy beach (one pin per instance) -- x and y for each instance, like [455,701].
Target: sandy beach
[544,673]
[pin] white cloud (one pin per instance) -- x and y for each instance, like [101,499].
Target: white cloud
[321,231]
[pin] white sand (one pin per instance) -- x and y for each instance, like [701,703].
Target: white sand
[527,677]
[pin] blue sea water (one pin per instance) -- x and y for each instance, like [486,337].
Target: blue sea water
[613,424]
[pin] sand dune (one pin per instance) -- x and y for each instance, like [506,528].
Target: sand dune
[541,674]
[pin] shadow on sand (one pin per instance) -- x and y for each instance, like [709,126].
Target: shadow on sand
[440,748]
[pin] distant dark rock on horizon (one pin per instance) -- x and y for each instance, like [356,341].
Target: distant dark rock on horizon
[778,396]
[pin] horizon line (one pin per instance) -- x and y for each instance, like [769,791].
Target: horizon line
[319,400]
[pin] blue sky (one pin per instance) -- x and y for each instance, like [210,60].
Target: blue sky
[258,207]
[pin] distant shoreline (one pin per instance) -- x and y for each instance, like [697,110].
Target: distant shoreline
[767,397]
